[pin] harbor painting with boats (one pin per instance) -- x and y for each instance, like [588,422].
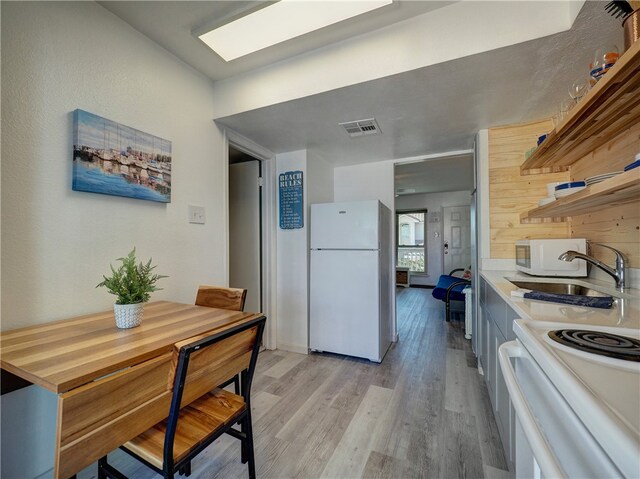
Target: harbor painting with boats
[115,159]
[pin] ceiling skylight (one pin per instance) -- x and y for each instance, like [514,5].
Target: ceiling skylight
[282,21]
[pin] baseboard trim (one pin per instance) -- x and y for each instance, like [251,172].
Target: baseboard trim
[293,348]
[46,474]
[423,286]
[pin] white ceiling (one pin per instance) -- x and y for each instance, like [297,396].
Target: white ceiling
[425,111]
[451,173]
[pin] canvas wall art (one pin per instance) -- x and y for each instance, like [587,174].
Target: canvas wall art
[114,159]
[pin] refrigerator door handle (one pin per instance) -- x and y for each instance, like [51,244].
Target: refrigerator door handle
[342,249]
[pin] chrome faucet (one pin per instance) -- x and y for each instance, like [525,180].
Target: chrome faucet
[617,273]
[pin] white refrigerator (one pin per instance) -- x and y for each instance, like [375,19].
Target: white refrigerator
[351,279]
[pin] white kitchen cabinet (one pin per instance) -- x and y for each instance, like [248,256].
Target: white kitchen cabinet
[496,326]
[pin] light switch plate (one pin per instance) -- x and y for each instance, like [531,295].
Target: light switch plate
[196,214]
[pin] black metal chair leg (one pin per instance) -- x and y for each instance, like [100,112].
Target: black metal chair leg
[101,462]
[249,448]
[185,470]
[236,384]
[243,442]
[107,471]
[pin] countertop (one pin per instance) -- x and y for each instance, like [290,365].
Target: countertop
[600,391]
[624,314]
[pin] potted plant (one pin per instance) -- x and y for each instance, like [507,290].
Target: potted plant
[132,283]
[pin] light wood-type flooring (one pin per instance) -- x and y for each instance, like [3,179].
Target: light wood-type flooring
[424,412]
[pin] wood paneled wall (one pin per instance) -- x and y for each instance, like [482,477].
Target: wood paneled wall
[618,226]
[511,193]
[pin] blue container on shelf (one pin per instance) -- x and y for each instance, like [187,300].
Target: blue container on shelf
[541,138]
[570,184]
[633,165]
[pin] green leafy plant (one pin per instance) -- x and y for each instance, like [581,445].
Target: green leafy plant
[132,282]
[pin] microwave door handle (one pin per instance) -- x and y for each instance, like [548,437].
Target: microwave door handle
[542,452]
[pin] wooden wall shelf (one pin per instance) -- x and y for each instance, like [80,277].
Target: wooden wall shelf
[621,189]
[612,106]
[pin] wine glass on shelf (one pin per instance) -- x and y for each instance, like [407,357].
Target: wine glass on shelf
[578,89]
[565,107]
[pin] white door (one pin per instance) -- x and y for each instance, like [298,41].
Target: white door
[344,303]
[456,238]
[245,231]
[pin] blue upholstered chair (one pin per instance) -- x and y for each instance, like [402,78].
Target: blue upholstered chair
[449,288]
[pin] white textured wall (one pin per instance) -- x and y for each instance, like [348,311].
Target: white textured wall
[292,266]
[433,202]
[56,243]
[368,181]
[320,179]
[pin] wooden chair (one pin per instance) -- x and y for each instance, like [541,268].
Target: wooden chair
[223,298]
[200,412]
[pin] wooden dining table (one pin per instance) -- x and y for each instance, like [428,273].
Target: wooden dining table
[112,384]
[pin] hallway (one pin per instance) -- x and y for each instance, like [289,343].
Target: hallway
[423,412]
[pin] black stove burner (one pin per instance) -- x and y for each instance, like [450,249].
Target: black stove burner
[596,342]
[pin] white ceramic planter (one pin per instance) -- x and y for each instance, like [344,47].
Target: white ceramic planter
[128,315]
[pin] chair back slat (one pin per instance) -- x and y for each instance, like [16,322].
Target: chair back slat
[212,365]
[223,298]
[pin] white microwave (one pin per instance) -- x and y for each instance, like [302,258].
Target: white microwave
[539,257]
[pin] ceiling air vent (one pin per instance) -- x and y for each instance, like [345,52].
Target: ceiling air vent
[361,127]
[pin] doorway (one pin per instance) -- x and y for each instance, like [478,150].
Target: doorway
[264,267]
[456,237]
[431,184]
[245,227]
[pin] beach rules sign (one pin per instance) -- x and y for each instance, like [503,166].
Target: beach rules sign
[291,200]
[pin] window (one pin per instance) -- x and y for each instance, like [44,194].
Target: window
[411,240]
[405,233]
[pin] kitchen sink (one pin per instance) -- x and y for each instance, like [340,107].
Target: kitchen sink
[558,288]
